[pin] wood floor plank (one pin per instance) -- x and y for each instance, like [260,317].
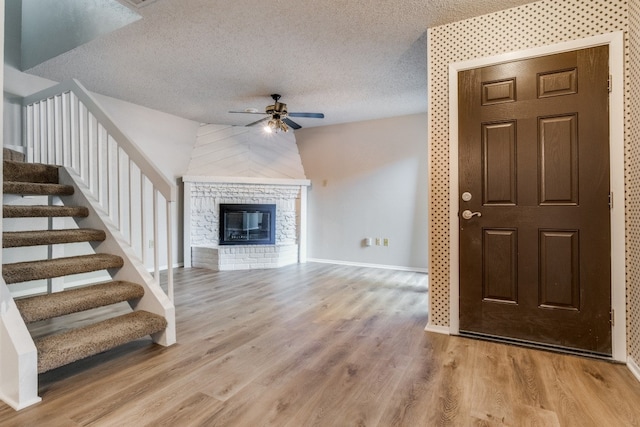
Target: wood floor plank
[325,345]
[188,411]
[279,405]
[493,388]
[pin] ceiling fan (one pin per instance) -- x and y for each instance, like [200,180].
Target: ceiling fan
[278,116]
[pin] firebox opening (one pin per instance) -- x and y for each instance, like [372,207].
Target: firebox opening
[247,224]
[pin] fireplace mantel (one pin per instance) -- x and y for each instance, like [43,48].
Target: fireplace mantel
[203,196]
[246,180]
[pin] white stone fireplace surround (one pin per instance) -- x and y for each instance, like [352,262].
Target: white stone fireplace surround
[203,196]
[243,165]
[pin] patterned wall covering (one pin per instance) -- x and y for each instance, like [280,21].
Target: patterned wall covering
[632,181]
[536,24]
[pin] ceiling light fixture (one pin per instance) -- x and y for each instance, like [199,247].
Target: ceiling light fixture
[276,124]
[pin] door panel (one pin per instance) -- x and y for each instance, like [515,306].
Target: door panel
[534,154]
[499,163]
[558,142]
[557,83]
[559,272]
[501,274]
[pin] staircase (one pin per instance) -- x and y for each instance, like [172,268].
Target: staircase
[69,345]
[124,207]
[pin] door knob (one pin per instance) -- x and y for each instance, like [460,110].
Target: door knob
[468,214]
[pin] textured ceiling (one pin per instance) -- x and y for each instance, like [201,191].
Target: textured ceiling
[350,59]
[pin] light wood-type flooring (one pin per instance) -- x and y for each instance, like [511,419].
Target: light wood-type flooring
[323,345]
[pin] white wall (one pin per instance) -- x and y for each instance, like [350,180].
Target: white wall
[368,179]
[166,139]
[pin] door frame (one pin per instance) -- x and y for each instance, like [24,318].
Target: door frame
[615,41]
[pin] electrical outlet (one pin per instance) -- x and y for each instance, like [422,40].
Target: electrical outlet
[151,243]
[377,241]
[386,241]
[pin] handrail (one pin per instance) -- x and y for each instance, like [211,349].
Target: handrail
[65,125]
[166,188]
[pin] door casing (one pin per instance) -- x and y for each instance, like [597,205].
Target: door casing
[615,41]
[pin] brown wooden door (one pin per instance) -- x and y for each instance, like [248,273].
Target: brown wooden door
[534,157]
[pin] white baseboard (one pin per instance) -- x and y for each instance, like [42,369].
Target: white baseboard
[19,405]
[437,329]
[633,367]
[164,267]
[360,264]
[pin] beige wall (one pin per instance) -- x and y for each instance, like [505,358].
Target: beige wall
[368,179]
[537,24]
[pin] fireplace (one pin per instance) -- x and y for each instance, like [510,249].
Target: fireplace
[245,248]
[247,224]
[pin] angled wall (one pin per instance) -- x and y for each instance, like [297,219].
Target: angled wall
[235,151]
[46,26]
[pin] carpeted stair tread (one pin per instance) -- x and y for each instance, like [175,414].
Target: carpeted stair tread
[42,307]
[67,347]
[45,269]
[30,172]
[39,211]
[14,187]
[15,239]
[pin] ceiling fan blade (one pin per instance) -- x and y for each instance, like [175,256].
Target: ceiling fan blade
[310,115]
[248,112]
[258,121]
[291,123]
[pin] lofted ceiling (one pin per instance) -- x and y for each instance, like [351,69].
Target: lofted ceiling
[350,59]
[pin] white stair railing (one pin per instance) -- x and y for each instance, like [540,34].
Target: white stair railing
[65,125]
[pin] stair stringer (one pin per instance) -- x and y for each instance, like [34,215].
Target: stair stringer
[154,299]
[18,356]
